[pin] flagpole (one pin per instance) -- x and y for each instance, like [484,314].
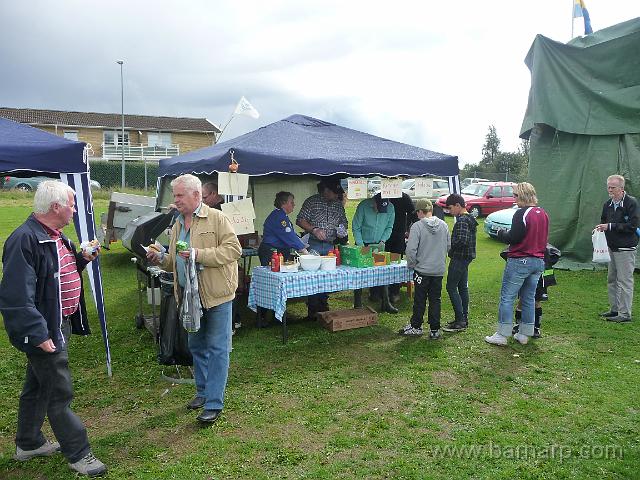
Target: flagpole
[225,126]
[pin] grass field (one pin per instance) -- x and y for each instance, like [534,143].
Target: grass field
[363,403]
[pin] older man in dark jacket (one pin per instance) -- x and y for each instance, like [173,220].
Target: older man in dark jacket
[42,302]
[619,222]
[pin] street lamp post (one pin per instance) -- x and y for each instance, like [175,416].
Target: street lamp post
[120,62]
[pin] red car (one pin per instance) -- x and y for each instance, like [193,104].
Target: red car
[484,198]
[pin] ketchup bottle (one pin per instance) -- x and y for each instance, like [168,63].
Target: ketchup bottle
[275,261]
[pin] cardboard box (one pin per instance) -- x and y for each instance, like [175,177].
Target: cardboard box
[355,256]
[337,320]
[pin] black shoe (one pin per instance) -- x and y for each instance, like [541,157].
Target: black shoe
[515,329]
[609,314]
[456,326]
[536,333]
[619,319]
[195,403]
[208,416]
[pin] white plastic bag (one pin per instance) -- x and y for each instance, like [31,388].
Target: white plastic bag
[600,248]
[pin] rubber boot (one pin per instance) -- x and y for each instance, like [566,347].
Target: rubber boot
[357,298]
[386,304]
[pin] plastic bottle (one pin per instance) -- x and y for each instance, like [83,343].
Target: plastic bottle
[275,261]
[280,260]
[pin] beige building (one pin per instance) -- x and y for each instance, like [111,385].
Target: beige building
[145,137]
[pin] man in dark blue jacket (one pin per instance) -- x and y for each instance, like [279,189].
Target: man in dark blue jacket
[42,302]
[619,221]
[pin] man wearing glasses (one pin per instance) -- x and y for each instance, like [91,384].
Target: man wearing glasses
[619,221]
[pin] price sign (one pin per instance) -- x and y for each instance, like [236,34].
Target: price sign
[391,188]
[357,188]
[423,187]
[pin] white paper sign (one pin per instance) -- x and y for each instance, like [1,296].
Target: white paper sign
[423,187]
[241,214]
[233,184]
[391,188]
[357,188]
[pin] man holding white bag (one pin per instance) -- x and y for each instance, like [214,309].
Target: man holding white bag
[620,220]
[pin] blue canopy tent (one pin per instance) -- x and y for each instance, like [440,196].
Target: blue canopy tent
[299,145]
[26,151]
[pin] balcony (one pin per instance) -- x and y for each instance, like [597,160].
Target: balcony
[138,152]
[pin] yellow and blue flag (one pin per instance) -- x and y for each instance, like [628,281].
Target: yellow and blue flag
[580,10]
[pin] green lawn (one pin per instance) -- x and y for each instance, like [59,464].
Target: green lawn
[363,403]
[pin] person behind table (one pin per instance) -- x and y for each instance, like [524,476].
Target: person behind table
[278,232]
[211,238]
[619,221]
[322,215]
[211,197]
[42,302]
[427,248]
[372,225]
[404,210]
[527,241]
[463,251]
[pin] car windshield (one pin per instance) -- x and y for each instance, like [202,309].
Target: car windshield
[406,184]
[476,190]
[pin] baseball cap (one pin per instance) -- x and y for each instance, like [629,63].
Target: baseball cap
[381,203]
[424,204]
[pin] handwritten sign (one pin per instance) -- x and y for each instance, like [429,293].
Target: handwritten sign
[423,187]
[391,188]
[241,214]
[357,188]
[233,184]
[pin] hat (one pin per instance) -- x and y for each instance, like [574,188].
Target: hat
[381,203]
[424,204]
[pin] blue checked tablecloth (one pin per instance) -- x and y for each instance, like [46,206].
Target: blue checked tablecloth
[272,289]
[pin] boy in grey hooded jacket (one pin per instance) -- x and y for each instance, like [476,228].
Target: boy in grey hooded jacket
[427,247]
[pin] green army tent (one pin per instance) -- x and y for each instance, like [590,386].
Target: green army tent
[583,123]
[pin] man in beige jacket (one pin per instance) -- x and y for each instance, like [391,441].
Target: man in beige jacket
[212,240]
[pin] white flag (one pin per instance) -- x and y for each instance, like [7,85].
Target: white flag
[245,108]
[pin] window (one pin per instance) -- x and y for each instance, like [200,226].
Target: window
[71,135]
[440,184]
[496,192]
[159,139]
[508,191]
[111,136]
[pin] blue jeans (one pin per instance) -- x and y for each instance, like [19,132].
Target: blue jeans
[210,347]
[318,302]
[520,276]
[458,288]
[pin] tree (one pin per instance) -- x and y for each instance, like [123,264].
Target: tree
[491,148]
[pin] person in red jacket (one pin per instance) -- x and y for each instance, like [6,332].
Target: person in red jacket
[527,241]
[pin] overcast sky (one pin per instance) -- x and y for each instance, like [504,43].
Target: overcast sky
[427,73]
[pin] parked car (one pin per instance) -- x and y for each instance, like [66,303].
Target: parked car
[374,185]
[440,187]
[468,181]
[501,219]
[485,197]
[31,183]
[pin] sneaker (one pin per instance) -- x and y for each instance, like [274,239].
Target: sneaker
[521,339]
[410,331]
[89,465]
[434,335]
[609,314]
[619,319]
[496,339]
[455,326]
[48,448]
[536,333]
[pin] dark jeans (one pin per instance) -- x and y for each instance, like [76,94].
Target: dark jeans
[457,287]
[426,287]
[48,391]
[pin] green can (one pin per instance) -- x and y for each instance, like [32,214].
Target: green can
[181,246]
